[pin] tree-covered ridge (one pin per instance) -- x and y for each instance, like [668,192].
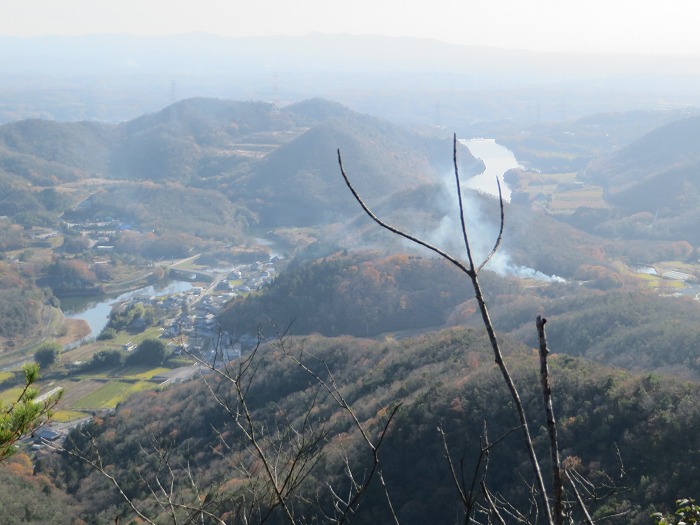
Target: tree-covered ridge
[170,207]
[30,498]
[20,306]
[634,330]
[307,169]
[368,293]
[30,206]
[572,144]
[81,146]
[445,380]
[651,184]
[275,164]
[360,294]
[657,151]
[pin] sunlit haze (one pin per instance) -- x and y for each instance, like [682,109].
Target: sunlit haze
[619,26]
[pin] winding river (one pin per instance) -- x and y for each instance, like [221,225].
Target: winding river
[498,159]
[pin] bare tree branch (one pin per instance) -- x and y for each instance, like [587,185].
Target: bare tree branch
[388,499]
[492,504]
[581,504]
[472,273]
[459,264]
[99,467]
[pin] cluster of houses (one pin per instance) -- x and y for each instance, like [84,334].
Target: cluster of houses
[101,233]
[191,316]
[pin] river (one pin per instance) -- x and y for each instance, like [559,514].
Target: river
[95,310]
[498,159]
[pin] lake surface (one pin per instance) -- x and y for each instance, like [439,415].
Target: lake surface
[95,310]
[498,159]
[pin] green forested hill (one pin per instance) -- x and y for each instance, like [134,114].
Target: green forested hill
[279,163]
[658,151]
[368,293]
[634,330]
[172,207]
[444,380]
[646,163]
[300,183]
[20,307]
[56,151]
[356,294]
[655,181]
[190,139]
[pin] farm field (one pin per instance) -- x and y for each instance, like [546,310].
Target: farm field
[85,393]
[557,193]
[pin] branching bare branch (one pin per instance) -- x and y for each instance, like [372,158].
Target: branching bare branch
[459,264]
[581,504]
[97,464]
[471,271]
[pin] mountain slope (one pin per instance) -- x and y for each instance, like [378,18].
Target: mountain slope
[46,152]
[641,168]
[300,182]
[572,145]
[279,162]
[444,380]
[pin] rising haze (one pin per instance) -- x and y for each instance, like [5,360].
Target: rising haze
[621,26]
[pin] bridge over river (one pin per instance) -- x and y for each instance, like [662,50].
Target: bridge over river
[190,275]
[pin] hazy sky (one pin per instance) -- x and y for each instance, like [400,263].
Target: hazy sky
[636,26]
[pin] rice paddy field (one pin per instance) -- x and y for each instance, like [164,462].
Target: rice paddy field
[87,393]
[559,193]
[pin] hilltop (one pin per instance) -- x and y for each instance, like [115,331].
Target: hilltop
[279,163]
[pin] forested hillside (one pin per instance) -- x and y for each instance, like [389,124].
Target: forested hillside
[366,294]
[246,198]
[443,380]
[652,184]
[277,164]
[356,294]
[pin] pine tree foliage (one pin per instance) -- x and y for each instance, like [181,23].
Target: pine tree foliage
[25,414]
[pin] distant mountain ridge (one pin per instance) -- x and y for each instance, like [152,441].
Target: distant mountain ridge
[653,185]
[118,77]
[572,144]
[280,162]
[667,148]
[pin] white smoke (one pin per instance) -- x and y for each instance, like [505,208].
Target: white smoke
[482,230]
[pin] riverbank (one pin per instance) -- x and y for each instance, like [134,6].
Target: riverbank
[76,331]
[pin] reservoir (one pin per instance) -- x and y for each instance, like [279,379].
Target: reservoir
[95,310]
[498,159]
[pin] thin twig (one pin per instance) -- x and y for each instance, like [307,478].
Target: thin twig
[492,504]
[388,499]
[581,504]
